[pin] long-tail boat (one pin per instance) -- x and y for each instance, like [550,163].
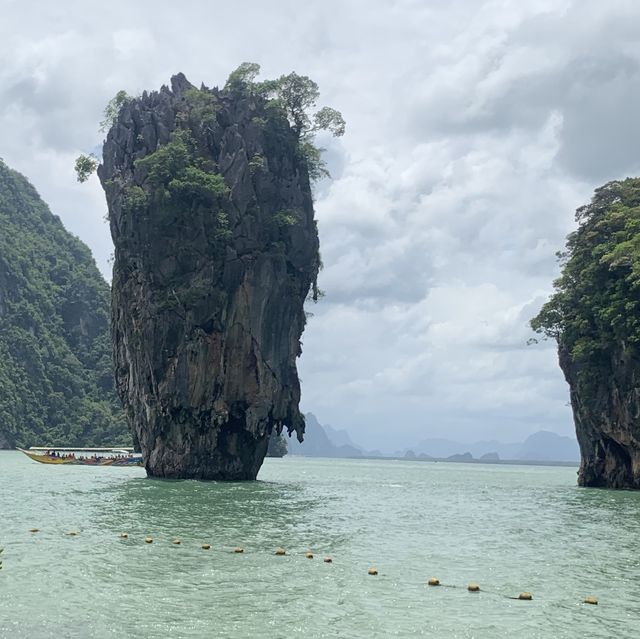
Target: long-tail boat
[68,457]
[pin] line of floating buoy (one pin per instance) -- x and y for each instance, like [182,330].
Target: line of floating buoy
[432,581]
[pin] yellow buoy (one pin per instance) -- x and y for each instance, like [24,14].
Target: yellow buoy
[308,555]
[148,540]
[372,571]
[33,530]
[433,581]
[281,551]
[525,596]
[176,542]
[124,535]
[591,600]
[328,560]
[206,546]
[238,550]
[473,587]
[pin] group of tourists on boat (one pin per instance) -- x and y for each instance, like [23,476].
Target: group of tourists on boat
[95,459]
[67,456]
[57,455]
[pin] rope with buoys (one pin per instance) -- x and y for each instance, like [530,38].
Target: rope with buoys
[432,581]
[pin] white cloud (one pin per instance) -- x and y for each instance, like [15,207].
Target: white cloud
[474,131]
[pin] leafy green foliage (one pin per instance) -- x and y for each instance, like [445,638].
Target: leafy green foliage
[175,170]
[56,381]
[204,107]
[112,110]
[242,77]
[256,163]
[134,199]
[596,305]
[169,160]
[296,95]
[312,156]
[328,119]
[85,166]
[195,183]
[286,218]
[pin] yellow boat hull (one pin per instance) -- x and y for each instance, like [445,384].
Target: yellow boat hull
[45,459]
[81,461]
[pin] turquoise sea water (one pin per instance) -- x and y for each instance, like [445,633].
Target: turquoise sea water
[509,528]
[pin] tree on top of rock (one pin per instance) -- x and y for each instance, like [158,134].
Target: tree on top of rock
[297,96]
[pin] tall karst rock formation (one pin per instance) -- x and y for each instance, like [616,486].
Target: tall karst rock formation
[216,250]
[594,316]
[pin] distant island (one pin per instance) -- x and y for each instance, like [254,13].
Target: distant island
[540,447]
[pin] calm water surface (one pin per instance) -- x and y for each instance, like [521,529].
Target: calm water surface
[510,528]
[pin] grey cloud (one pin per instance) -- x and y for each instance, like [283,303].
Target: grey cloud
[582,64]
[474,130]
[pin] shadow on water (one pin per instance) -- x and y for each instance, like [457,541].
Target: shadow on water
[228,513]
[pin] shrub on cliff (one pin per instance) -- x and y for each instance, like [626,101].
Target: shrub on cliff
[295,95]
[596,305]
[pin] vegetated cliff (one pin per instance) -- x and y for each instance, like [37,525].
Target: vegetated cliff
[595,317]
[216,249]
[56,380]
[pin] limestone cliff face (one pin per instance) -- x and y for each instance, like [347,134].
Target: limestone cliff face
[216,249]
[56,382]
[607,419]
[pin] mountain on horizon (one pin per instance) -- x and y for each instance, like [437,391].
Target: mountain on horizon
[542,445]
[318,442]
[325,441]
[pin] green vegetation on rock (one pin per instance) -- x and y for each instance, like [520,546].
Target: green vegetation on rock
[112,110]
[56,380]
[176,171]
[85,166]
[296,96]
[596,304]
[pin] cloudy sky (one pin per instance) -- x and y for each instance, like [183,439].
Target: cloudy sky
[474,131]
